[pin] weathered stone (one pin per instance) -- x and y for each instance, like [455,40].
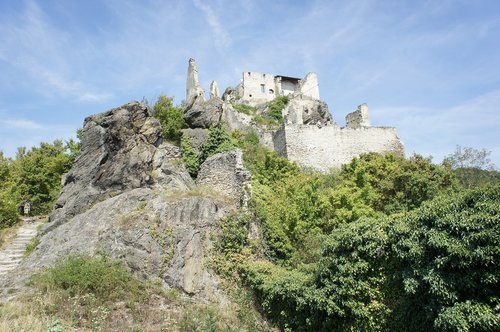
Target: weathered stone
[194,91]
[359,118]
[196,136]
[204,114]
[225,173]
[158,234]
[121,150]
[309,86]
[304,110]
[214,90]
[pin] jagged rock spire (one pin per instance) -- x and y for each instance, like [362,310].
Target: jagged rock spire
[214,90]
[193,87]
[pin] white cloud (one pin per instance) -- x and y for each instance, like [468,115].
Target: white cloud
[221,36]
[431,131]
[46,54]
[20,124]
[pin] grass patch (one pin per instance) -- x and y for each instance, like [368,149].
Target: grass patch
[31,246]
[244,108]
[76,275]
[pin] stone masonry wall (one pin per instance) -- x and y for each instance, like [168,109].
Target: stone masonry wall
[252,89]
[332,146]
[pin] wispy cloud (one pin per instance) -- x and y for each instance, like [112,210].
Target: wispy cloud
[19,124]
[436,132]
[221,36]
[46,55]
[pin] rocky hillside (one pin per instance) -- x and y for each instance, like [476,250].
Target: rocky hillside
[129,197]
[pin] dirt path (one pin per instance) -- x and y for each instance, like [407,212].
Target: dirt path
[12,254]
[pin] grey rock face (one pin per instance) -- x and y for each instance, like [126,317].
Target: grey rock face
[204,114]
[130,197]
[158,234]
[304,110]
[121,150]
[196,137]
[225,173]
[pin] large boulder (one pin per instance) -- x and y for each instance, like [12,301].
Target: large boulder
[204,114]
[122,149]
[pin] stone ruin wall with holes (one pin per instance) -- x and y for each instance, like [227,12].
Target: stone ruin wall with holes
[309,135]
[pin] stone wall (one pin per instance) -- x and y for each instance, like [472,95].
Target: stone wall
[258,88]
[359,118]
[332,146]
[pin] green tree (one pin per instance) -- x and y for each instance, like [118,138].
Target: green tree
[446,275]
[473,167]
[74,146]
[37,175]
[170,117]
[8,211]
[397,183]
[218,140]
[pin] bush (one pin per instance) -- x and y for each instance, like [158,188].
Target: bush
[218,140]
[446,256]
[8,210]
[171,117]
[276,107]
[78,275]
[190,158]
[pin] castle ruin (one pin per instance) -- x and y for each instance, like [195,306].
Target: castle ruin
[308,135]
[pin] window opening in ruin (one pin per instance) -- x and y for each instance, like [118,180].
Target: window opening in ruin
[263,88]
[248,73]
[271,91]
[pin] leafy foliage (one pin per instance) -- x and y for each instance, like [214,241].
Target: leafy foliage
[36,175]
[244,108]
[446,254]
[276,106]
[218,140]
[107,280]
[397,184]
[170,116]
[431,269]
[190,158]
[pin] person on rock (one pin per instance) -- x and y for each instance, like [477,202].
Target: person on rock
[27,208]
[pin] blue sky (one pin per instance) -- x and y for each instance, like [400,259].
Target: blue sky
[429,68]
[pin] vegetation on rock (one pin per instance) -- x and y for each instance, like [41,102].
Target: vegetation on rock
[171,117]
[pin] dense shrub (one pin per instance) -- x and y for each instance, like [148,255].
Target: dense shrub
[8,210]
[446,256]
[276,106]
[170,116]
[397,183]
[78,275]
[431,269]
[190,158]
[218,140]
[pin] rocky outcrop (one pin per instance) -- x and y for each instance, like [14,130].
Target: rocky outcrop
[122,149]
[214,90]
[129,196]
[194,91]
[225,173]
[304,110]
[204,114]
[162,235]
